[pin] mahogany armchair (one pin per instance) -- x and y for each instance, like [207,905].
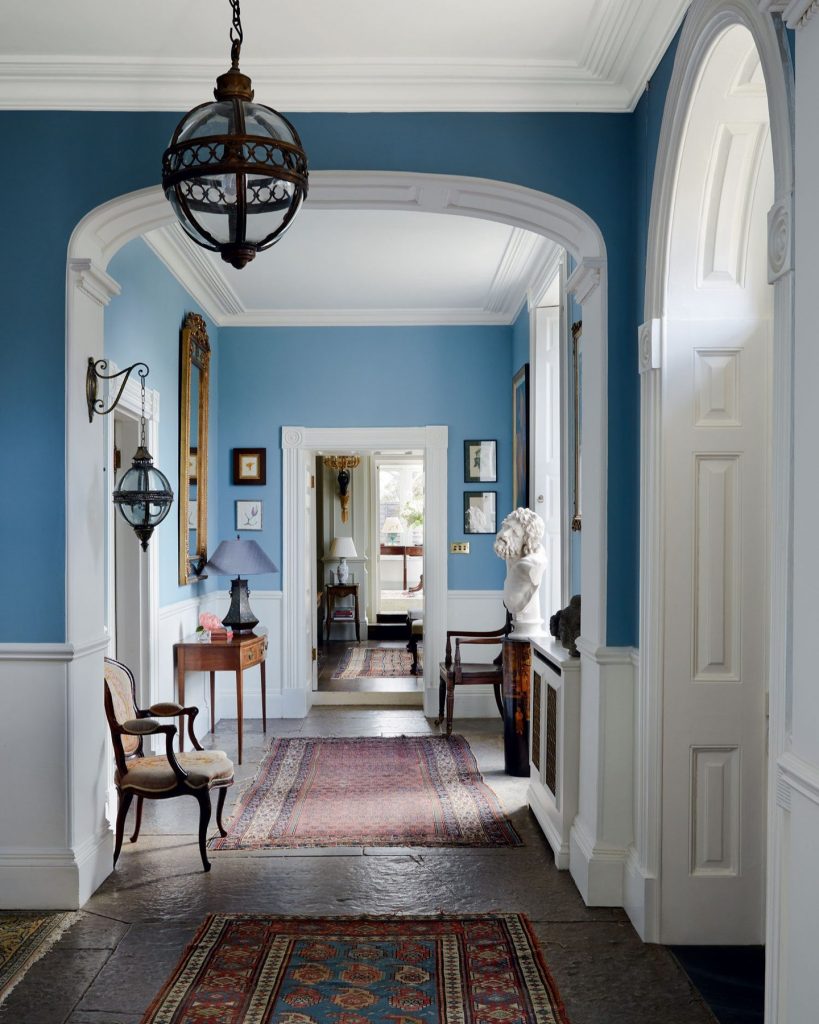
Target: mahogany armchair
[163,776]
[456,672]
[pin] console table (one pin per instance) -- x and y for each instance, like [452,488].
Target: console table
[334,592]
[406,551]
[245,651]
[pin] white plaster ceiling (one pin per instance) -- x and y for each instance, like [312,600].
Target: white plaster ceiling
[325,55]
[369,267]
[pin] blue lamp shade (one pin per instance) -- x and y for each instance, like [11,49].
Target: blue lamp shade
[239,558]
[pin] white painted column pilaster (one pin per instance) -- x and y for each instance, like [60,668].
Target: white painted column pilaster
[603,827]
[296,692]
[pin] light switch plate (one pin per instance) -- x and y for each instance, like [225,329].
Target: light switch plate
[459,548]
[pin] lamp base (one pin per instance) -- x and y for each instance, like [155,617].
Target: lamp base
[240,617]
[343,571]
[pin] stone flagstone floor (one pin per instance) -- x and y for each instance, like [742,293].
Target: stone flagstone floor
[108,967]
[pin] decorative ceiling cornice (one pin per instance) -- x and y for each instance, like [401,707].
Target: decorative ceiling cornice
[625,44]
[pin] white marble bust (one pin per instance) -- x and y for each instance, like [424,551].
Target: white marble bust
[518,544]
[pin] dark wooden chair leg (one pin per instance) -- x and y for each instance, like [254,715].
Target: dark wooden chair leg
[450,706]
[138,824]
[219,805]
[123,805]
[498,699]
[203,799]
[441,701]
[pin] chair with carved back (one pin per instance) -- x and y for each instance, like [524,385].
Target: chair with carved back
[456,672]
[163,776]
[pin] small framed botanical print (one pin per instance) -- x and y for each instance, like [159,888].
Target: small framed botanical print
[248,515]
[480,515]
[193,464]
[480,462]
[249,465]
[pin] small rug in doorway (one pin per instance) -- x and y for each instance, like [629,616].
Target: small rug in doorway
[341,970]
[374,663]
[25,936]
[375,791]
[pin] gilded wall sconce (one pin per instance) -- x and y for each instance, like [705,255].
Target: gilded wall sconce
[343,464]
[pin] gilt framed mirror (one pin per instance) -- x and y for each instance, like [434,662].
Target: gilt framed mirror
[194,396]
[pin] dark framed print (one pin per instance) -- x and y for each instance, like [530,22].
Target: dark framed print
[480,462]
[480,512]
[250,465]
[520,438]
[248,515]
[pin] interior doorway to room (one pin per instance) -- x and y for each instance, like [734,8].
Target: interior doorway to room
[716,436]
[126,622]
[375,521]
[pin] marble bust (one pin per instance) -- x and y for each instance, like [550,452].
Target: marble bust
[518,544]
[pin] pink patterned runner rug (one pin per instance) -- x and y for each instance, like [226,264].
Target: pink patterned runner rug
[374,663]
[378,791]
[475,969]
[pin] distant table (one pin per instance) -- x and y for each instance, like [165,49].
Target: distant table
[405,550]
[334,592]
[245,651]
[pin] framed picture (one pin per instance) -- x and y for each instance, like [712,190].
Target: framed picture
[250,465]
[248,515]
[480,462]
[193,464]
[480,512]
[520,438]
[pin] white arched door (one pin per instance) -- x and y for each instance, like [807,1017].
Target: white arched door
[716,388]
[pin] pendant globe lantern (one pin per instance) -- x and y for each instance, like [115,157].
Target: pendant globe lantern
[143,495]
[235,171]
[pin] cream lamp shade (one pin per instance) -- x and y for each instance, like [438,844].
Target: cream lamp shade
[392,525]
[343,548]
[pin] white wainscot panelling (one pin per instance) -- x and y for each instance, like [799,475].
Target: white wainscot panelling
[267,607]
[478,610]
[717,584]
[176,622]
[555,744]
[715,811]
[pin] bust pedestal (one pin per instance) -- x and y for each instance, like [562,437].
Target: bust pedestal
[517,671]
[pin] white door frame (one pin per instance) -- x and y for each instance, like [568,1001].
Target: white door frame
[130,406]
[299,446]
[705,23]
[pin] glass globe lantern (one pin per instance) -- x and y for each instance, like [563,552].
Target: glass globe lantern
[235,171]
[143,495]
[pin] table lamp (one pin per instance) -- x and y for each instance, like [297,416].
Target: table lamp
[239,558]
[343,548]
[394,528]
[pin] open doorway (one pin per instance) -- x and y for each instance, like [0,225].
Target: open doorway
[368,565]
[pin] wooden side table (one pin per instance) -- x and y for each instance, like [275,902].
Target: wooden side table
[245,651]
[334,592]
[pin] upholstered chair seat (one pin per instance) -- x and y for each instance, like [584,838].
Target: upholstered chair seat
[163,775]
[204,768]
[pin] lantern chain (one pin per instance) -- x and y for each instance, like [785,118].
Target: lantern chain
[142,416]
[236,34]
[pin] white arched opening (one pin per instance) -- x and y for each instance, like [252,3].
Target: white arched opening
[89,288]
[732,84]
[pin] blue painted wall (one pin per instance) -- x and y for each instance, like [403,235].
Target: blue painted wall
[520,344]
[586,159]
[143,323]
[402,377]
